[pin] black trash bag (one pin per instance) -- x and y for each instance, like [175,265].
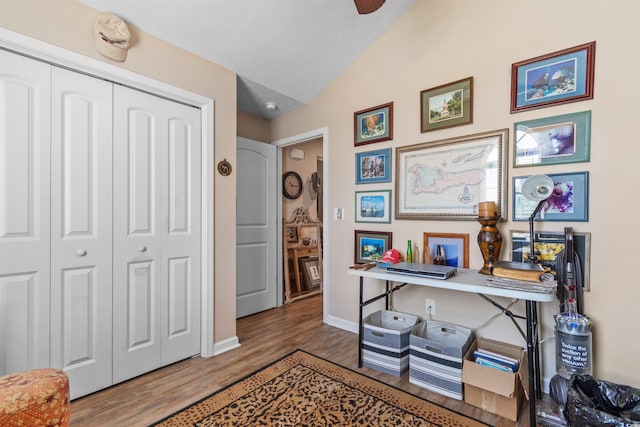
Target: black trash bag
[601,403]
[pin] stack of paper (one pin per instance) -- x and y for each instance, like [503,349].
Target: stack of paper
[495,360]
[545,286]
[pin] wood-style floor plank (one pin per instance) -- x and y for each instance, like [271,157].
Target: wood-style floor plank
[264,337]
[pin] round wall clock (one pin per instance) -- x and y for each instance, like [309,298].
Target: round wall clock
[291,185]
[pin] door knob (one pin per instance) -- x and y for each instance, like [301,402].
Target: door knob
[81,252]
[142,248]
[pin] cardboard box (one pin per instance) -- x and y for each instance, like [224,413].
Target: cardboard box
[491,389]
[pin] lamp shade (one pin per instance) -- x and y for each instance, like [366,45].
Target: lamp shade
[537,187]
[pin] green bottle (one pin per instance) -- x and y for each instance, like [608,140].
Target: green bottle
[409,251]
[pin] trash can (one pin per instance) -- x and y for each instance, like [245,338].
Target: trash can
[601,403]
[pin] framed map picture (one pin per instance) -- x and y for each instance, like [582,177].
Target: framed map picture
[447,179]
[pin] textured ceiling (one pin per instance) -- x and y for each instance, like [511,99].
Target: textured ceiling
[283,51]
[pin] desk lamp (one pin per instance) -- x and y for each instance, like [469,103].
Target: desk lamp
[536,188]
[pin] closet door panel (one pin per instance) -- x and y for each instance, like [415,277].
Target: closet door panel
[24,213]
[181,236]
[140,140]
[81,230]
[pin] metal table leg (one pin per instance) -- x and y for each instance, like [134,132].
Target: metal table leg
[532,355]
[360,325]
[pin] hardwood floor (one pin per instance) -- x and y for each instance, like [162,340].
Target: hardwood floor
[264,337]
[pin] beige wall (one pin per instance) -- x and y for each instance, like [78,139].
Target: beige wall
[439,42]
[69,24]
[253,127]
[433,44]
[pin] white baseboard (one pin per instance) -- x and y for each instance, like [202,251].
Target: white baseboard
[341,323]
[225,345]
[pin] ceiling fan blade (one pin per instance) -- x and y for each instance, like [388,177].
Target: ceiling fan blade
[368,6]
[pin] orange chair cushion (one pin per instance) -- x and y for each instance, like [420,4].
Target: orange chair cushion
[39,397]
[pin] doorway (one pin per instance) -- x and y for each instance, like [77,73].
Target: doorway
[320,138]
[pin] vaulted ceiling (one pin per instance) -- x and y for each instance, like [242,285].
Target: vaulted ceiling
[283,51]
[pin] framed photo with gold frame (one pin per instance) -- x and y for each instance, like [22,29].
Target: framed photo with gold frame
[447,179]
[456,247]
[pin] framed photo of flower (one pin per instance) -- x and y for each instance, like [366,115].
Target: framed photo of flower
[569,200]
[447,105]
[373,124]
[555,78]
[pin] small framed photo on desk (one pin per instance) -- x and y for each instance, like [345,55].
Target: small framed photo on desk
[456,247]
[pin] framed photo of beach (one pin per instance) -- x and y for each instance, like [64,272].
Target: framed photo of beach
[373,206]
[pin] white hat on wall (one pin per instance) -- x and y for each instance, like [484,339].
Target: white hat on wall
[112,36]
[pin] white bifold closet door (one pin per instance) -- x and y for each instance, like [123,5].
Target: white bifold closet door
[25,89]
[100,221]
[156,232]
[81,229]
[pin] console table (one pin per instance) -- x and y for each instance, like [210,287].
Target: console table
[467,280]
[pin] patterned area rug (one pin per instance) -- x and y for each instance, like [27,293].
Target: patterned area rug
[304,390]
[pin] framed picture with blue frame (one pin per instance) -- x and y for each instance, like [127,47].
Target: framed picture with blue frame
[373,166]
[569,200]
[552,140]
[373,206]
[552,79]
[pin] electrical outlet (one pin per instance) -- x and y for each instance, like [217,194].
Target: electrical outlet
[430,306]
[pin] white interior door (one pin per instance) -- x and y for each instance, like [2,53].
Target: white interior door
[24,213]
[256,227]
[137,226]
[181,238]
[81,230]
[156,232]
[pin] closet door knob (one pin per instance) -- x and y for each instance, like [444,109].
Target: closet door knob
[142,248]
[81,252]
